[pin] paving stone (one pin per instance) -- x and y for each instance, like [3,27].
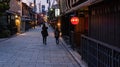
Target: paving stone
[27,50]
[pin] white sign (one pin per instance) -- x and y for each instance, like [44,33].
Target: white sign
[57,12]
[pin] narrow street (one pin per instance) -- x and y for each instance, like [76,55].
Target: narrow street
[28,50]
[89,29]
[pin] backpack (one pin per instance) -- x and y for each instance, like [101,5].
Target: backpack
[44,33]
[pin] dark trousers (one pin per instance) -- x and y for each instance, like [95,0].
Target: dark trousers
[57,40]
[44,40]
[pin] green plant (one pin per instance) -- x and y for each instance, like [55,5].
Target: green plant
[3,7]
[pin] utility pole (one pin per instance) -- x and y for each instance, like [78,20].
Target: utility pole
[49,4]
[35,6]
[40,7]
[35,15]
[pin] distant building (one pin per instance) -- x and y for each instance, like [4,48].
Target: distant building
[27,15]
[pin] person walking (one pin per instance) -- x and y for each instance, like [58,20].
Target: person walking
[44,33]
[57,35]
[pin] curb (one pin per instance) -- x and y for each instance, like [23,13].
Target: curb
[4,39]
[74,54]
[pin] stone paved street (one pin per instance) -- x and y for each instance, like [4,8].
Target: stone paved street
[27,50]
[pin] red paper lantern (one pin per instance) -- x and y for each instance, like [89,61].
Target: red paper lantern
[74,20]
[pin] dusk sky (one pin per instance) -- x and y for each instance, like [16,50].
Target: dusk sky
[43,2]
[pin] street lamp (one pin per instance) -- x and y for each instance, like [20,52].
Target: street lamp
[16,16]
[51,9]
[32,5]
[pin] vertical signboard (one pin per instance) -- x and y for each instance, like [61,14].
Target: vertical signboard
[57,12]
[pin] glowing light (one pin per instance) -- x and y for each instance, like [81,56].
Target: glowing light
[74,20]
[58,24]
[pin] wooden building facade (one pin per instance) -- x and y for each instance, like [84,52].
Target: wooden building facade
[102,45]
[97,36]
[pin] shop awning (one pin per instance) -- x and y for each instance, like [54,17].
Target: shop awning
[12,12]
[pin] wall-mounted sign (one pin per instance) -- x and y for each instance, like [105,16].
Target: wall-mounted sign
[57,12]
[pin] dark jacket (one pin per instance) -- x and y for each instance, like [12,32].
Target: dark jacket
[57,33]
[44,31]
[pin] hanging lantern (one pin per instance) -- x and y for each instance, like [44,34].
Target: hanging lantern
[74,20]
